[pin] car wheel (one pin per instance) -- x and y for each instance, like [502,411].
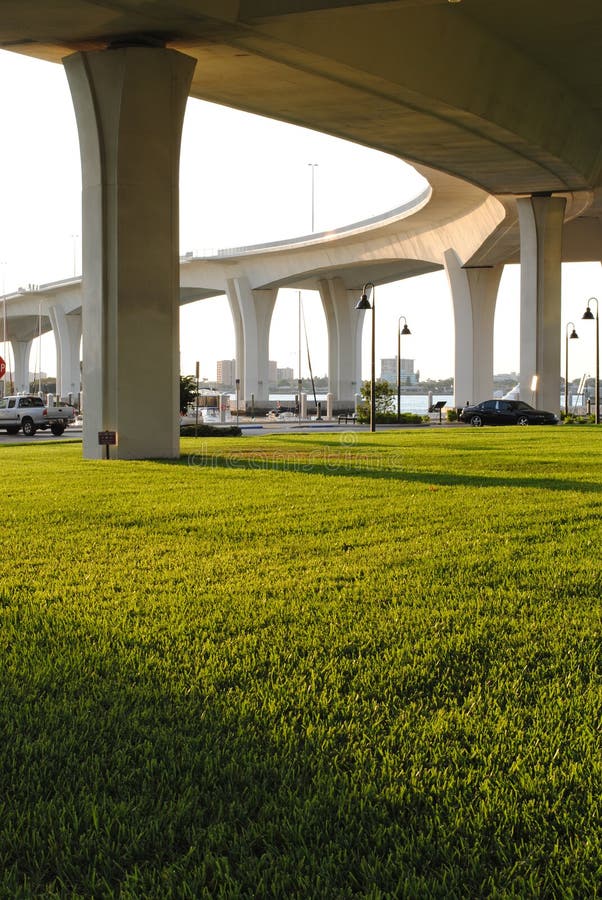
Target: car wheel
[522,420]
[29,429]
[57,430]
[476,421]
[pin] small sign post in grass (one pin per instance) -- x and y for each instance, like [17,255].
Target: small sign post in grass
[107,439]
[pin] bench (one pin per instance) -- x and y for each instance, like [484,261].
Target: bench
[348,417]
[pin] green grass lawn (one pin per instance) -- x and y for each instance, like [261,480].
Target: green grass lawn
[291,666]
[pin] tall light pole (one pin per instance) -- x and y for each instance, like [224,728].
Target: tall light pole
[405,330]
[3,264]
[364,303]
[588,314]
[74,238]
[313,167]
[568,337]
[196,415]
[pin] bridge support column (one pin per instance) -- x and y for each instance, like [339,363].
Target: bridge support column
[344,323]
[21,355]
[129,105]
[252,314]
[67,331]
[474,295]
[541,220]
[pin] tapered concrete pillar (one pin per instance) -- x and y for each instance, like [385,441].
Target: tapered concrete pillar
[474,295]
[21,355]
[344,323]
[252,315]
[129,105]
[541,220]
[239,334]
[67,330]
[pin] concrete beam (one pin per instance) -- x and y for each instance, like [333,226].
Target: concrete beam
[474,295]
[129,106]
[252,314]
[344,323]
[541,221]
[67,331]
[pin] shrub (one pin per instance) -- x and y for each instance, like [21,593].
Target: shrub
[577,420]
[390,418]
[203,430]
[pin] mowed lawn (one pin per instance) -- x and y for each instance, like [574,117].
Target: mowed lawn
[320,666]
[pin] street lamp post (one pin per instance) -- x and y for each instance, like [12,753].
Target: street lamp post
[400,331]
[364,303]
[299,390]
[237,390]
[588,314]
[4,332]
[313,167]
[196,412]
[74,238]
[572,336]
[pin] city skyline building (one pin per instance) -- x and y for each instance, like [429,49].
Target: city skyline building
[388,370]
[226,371]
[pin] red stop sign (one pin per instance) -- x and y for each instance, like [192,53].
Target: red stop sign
[2,367]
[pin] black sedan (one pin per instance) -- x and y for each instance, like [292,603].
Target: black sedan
[506,412]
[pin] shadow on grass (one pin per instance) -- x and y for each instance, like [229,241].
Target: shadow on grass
[134,790]
[370,465]
[121,786]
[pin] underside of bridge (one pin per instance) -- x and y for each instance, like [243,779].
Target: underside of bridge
[505,95]
[490,92]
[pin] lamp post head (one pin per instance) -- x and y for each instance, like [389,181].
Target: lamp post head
[573,335]
[405,330]
[588,314]
[363,302]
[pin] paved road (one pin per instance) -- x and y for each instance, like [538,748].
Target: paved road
[73,433]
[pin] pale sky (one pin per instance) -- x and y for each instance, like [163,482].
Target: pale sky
[244,180]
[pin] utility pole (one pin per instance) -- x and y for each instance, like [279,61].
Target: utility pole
[313,167]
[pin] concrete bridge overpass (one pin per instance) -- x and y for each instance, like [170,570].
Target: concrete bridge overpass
[449,225]
[57,306]
[509,101]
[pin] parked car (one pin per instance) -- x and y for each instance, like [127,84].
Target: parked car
[506,412]
[28,412]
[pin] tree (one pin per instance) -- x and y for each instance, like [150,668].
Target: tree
[383,395]
[187,391]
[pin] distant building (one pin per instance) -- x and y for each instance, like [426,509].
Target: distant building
[388,371]
[226,371]
[286,374]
